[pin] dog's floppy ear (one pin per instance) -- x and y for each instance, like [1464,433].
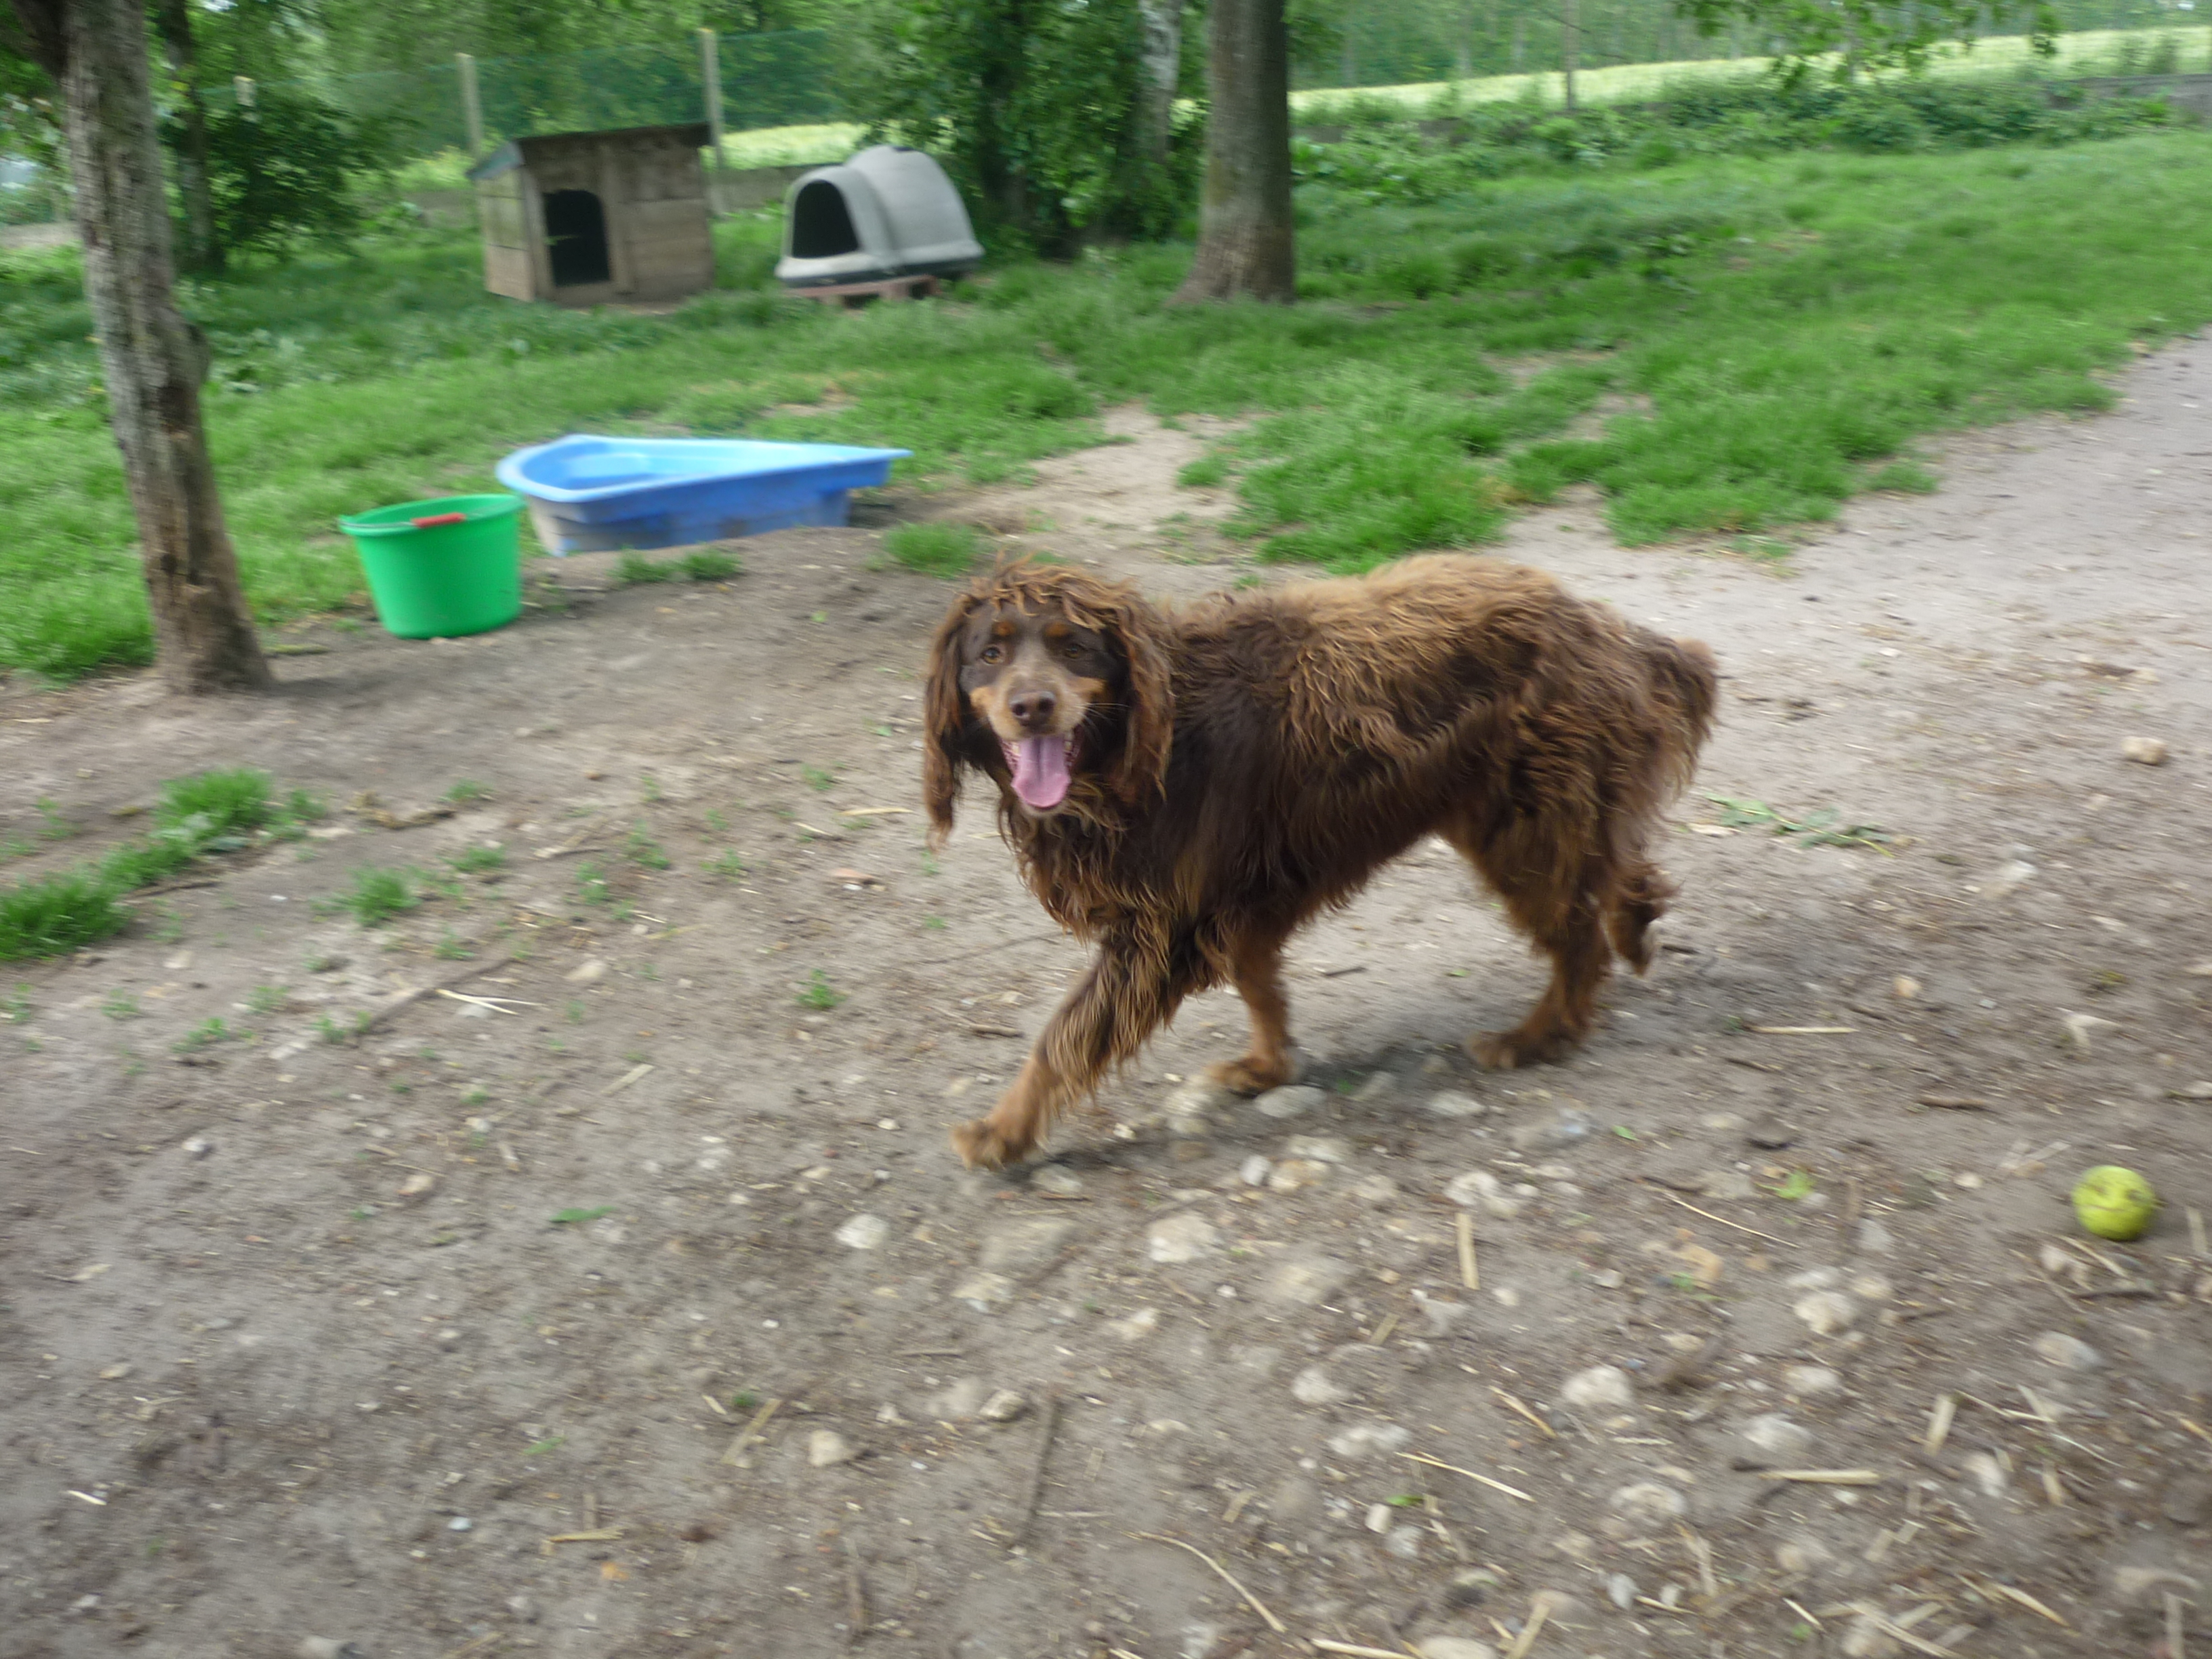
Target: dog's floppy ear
[944,717]
[1141,769]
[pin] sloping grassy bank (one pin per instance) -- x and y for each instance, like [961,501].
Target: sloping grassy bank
[1780,328]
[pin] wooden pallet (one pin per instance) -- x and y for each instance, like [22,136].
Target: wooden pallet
[852,296]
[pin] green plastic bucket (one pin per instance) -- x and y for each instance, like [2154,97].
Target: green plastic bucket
[440,567]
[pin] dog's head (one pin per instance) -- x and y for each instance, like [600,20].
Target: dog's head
[1056,684]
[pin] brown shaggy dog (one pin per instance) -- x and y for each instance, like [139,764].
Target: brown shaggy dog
[1188,790]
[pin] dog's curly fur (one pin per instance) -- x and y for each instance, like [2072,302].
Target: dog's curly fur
[1255,760]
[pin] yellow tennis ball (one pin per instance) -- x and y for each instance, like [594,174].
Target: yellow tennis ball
[2114,1203]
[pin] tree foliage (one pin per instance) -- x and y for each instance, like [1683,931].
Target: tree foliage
[1034,107]
[288,171]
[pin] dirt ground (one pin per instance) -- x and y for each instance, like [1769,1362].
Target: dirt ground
[623,1302]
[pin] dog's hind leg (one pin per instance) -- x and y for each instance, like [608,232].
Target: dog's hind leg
[1638,899]
[1256,969]
[1128,993]
[1564,908]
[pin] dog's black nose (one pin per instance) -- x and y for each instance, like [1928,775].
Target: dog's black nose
[1032,708]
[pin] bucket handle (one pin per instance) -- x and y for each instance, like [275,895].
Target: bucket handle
[438,519]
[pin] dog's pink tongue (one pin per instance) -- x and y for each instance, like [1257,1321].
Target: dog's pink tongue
[1041,771]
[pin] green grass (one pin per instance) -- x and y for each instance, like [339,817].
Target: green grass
[206,812]
[705,565]
[935,549]
[478,860]
[378,894]
[1722,344]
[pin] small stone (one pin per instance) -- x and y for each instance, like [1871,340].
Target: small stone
[1294,1101]
[1479,1189]
[1621,1591]
[2188,1501]
[1800,1555]
[1320,1149]
[1057,1179]
[1370,1440]
[1770,1133]
[1003,1407]
[1405,1543]
[1865,1639]
[198,1147]
[1181,1238]
[460,1523]
[1379,1086]
[1295,1174]
[1648,1503]
[418,1186]
[1905,987]
[864,1232]
[1454,1647]
[2068,1353]
[1599,1387]
[1316,1387]
[585,972]
[1778,1436]
[1872,1287]
[1569,1128]
[1020,1246]
[1455,1104]
[986,1293]
[1726,1184]
[1308,1280]
[1988,1473]
[1875,1239]
[324,1647]
[1442,1316]
[115,1373]
[1253,1171]
[2144,751]
[1375,1189]
[1827,1312]
[826,1448]
[1811,1382]
[1138,1325]
[1470,1587]
[523,1608]
[1815,1279]
[1378,1517]
[2141,1583]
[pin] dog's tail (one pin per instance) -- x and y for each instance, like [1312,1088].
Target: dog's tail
[1686,679]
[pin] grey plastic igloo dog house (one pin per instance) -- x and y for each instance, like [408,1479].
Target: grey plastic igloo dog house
[889,212]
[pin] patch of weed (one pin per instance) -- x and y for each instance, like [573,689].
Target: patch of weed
[378,895]
[267,999]
[451,947]
[935,549]
[643,850]
[120,1005]
[468,792]
[1825,828]
[209,1034]
[820,992]
[815,778]
[478,860]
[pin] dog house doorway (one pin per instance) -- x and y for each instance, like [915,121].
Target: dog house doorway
[576,231]
[821,224]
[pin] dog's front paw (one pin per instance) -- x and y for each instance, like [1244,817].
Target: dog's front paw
[1250,1077]
[1507,1051]
[983,1146]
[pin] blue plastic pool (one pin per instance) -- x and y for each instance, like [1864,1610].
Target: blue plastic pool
[592,494]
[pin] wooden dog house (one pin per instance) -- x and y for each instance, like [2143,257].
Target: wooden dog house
[583,218]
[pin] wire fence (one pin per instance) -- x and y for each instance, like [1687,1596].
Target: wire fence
[787,78]
[789,81]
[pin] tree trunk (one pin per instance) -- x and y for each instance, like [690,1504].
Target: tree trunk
[1160,63]
[151,358]
[1245,244]
[202,250]
[1569,43]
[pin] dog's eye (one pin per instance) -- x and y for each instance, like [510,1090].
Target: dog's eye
[991,653]
[1071,652]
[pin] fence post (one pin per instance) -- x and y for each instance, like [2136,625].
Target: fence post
[241,86]
[710,76]
[472,107]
